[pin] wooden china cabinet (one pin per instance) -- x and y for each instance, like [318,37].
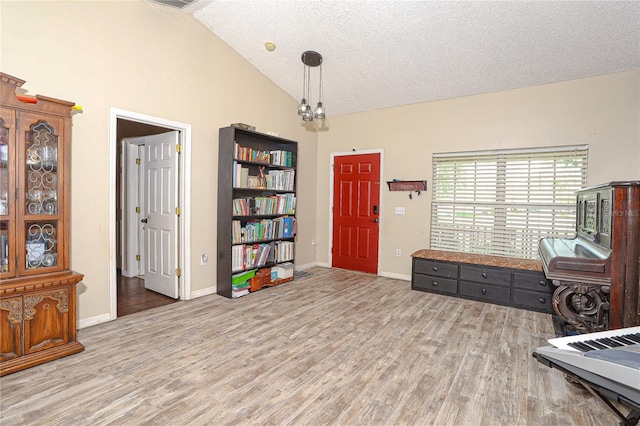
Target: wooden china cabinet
[37,287]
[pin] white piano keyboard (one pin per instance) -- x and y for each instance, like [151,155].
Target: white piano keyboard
[598,340]
[612,354]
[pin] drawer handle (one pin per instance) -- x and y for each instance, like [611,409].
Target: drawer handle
[484,275]
[434,283]
[484,291]
[435,268]
[542,283]
[542,300]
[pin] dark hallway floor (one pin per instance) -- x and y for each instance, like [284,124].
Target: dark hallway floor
[133,297]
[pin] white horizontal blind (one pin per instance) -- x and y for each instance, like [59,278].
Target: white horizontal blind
[502,202]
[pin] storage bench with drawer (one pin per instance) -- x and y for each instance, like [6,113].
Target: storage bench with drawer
[493,279]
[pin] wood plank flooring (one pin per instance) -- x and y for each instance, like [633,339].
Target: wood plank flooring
[331,348]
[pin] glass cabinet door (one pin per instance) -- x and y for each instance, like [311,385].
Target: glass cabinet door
[42,184]
[7,185]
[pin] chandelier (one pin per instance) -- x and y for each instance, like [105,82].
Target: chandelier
[310,59]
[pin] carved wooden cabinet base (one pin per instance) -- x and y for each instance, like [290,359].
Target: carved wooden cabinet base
[38,322]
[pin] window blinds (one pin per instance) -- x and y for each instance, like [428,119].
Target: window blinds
[502,202]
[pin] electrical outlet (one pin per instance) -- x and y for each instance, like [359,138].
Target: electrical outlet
[399,210]
[398,252]
[204,259]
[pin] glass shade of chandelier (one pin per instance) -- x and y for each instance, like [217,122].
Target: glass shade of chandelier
[311,59]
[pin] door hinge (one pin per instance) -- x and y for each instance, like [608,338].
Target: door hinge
[179,272]
[179,148]
[138,161]
[178,211]
[137,209]
[138,257]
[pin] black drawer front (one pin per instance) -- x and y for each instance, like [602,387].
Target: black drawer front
[431,283]
[482,275]
[533,300]
[535,282]
[489,293]
[440,269]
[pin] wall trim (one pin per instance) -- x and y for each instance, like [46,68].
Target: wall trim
[305,266]
[204,292]
[90,322]
[395,276]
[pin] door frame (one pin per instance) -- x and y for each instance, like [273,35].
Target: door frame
[184,200]
[381,215]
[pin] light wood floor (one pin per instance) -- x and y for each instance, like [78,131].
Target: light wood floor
[332,348]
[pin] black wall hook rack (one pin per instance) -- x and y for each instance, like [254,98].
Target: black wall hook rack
[408,185]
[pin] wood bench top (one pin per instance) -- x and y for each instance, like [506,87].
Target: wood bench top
[480,259]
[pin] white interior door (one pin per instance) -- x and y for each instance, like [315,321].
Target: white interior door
[161,219]
[132,199]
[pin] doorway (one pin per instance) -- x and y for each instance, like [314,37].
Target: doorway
[127,281]
[150,212]
[355,225]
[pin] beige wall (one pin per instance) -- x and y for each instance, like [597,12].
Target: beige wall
[152,60]
[602,112]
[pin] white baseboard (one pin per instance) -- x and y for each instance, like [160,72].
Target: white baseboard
[204,292]
[89,322]
[305,266]
[395,276]
[100,319]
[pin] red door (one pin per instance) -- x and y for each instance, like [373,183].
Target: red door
[356,207]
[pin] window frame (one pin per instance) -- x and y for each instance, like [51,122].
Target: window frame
[501,202]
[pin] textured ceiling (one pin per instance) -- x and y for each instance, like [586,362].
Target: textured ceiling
[380,54]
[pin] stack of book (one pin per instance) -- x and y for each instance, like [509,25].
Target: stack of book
[238,290]
[240,283]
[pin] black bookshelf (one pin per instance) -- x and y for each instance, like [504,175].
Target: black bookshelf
[231,140]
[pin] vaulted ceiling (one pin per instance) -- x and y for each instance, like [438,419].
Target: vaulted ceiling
[379,54]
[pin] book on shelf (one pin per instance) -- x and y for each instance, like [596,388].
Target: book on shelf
[236,174]
[282,158]
[280,180]
[249,154]
[271,205]
[264,229]
[273,157]
[282,251]
[237,258]
[248,256]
